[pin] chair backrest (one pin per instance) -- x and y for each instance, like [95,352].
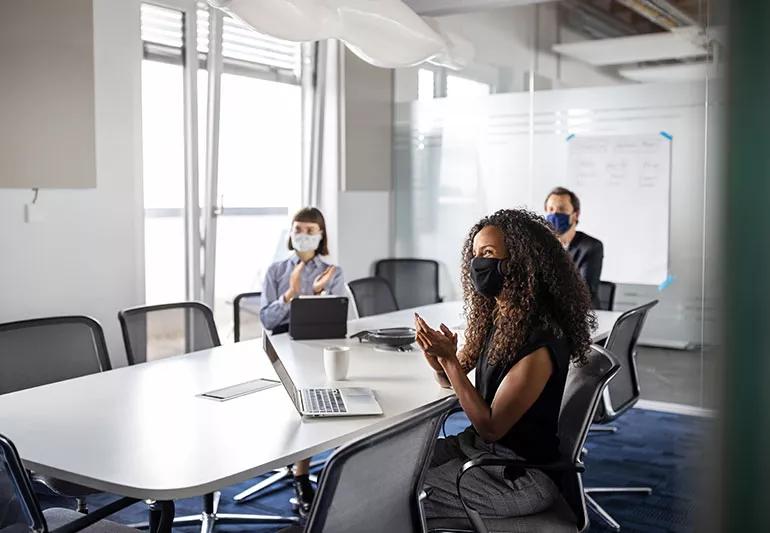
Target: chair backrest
[414,281]
[582,396]
[156,331]
[386,468]
[372,296]
[19,509]
[246,322]
[45,350]
[606,295]
[624,390]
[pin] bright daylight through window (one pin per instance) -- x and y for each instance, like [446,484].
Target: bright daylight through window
[260,152]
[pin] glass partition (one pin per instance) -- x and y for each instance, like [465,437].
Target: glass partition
[621,107]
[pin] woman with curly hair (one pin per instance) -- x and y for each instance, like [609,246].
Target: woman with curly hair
[528,316]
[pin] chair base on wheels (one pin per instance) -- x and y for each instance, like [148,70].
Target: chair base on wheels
[211,516]
[599,510]
[279,475]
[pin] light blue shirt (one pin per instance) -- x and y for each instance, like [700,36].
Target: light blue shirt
[273,310]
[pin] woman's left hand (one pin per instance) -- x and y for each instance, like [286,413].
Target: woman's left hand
[440,344]
[320,283]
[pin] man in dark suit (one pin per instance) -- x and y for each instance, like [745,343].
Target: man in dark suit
[562,208]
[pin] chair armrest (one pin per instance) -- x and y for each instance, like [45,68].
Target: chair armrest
[473,515]
[558,466]
[450,412]
[95,516]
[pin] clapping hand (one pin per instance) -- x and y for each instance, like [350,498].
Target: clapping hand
[439,347]
[295,282]
[320,283]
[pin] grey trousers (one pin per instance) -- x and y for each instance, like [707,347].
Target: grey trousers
[485,489]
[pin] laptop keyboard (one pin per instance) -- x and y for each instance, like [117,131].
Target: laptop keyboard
[323,401]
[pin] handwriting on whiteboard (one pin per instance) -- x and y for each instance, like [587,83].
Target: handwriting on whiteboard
[623,183]
[626,161]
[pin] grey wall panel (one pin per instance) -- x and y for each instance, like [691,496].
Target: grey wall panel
[368,126]
[47,124]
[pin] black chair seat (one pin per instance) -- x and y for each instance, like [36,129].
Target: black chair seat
[559,518]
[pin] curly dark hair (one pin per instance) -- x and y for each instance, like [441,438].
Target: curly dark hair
[542,291]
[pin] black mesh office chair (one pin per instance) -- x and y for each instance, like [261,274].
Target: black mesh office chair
[157,331]
[623,392]
[372,296]
[414,281]
[46,350]
[582,394]
[606,295]
[246,322]
[374,484]
[20,510]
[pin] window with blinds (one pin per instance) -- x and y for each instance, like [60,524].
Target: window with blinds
[244,51]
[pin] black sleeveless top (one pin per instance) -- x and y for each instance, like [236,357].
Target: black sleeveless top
[535,436]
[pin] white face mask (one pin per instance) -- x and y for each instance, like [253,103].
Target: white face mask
[303,242]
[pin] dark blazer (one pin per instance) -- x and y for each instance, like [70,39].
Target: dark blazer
[588,254]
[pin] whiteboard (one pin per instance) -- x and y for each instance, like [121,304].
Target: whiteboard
[623,182]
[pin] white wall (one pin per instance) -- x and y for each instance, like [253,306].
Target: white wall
[86,257]
[364,236]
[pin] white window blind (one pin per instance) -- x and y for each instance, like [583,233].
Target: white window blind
[243,49]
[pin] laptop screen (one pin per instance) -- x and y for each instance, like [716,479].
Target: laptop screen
[283,375]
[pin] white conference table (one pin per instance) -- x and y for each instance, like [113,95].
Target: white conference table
[143,431]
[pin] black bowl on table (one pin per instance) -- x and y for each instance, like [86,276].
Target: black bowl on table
[393,337]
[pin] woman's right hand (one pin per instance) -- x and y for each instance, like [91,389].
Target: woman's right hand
[295,282]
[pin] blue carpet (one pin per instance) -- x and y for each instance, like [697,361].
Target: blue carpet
[659,450]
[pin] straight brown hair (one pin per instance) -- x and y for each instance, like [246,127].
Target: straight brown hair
[313,214]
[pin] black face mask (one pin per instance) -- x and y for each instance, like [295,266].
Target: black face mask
[487,275]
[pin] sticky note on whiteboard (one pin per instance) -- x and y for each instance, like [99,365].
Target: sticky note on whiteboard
[666,282]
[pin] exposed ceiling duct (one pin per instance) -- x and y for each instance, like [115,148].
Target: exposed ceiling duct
[435,8]
[661,12]
[647,40]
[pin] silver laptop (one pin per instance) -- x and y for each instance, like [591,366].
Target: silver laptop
[352,401]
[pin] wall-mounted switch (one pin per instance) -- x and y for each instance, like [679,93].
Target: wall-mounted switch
[33,213]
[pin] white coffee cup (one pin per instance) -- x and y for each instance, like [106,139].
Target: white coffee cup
[336,361]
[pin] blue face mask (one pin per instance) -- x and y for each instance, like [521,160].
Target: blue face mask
[559,221]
